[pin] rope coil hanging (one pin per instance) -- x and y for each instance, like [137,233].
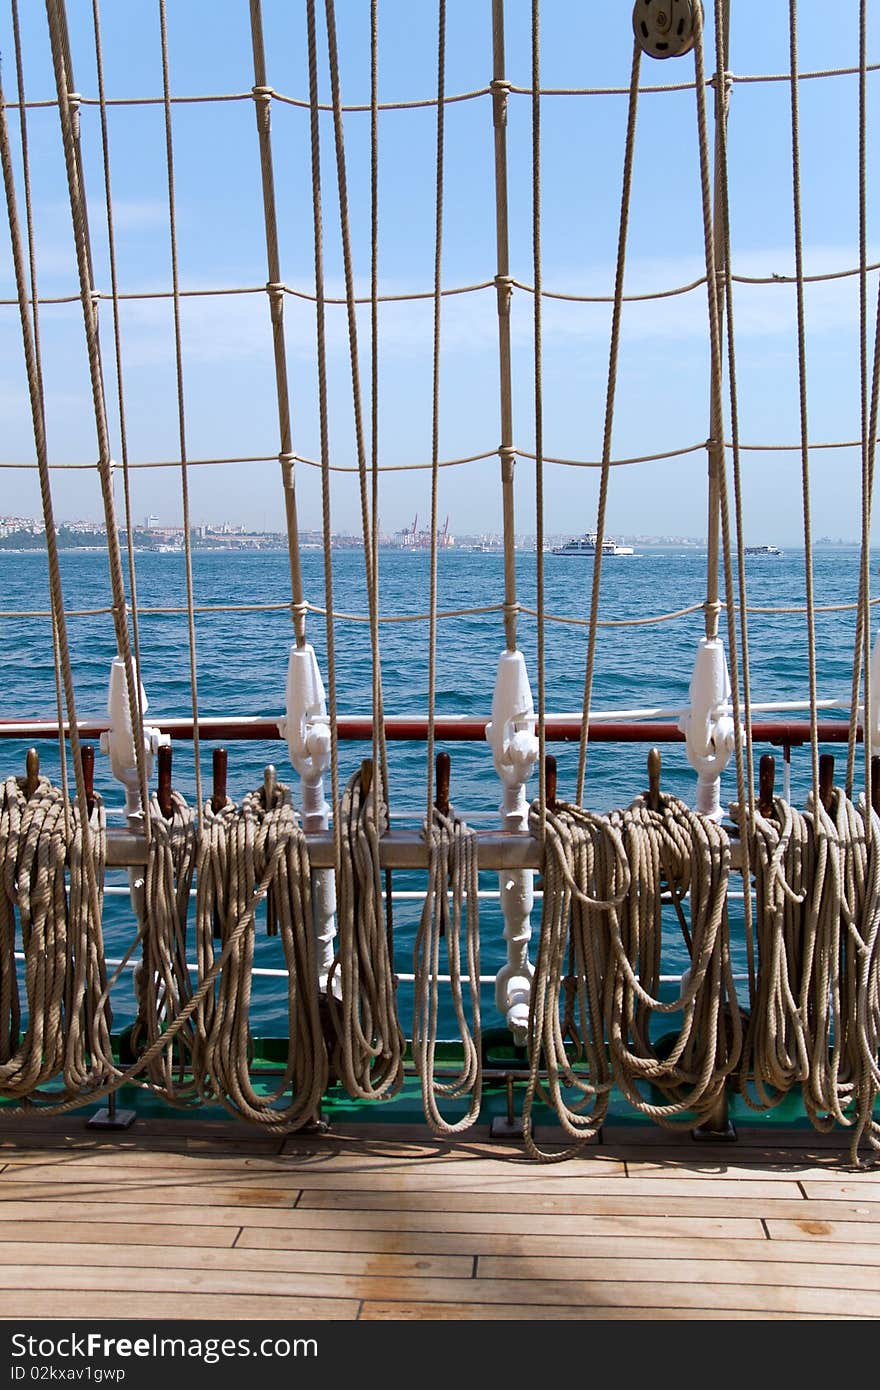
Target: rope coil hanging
[67,1032]
[585,875]
[162,979]
[258,846]
[672,850]
[453,867]
[368,1057]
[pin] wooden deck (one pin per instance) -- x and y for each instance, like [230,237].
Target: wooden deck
[181,1218]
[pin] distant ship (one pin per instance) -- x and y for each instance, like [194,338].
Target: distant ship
[586,545]
[763,550]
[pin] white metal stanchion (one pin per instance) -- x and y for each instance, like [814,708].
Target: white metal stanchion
[515,750]
[708,726]
[307,731]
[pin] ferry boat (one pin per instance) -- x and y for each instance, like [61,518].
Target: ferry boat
[586,545]
[763,550]
[661,1102]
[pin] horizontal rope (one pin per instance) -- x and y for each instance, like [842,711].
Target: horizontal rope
[447,100]
[202,610]
[448,463]
[292,290]
[413,296]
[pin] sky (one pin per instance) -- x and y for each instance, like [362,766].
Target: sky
[227,361]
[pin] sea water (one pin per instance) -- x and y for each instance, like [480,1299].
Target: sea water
[241,662]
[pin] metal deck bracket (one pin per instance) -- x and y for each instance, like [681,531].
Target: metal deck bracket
[110,1117]
[723,1134]
[507,1126]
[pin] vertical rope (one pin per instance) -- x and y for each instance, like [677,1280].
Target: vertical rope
[537,275]
[506,452]
[321,344]
[117,344]
[609,412]
[34,378]
[367,522]
[67,101]
[723,244]
[715,230]
[181,411]
[802,391]
[275,292]
[435,400]
[378,729]
[862,644]
[35,320]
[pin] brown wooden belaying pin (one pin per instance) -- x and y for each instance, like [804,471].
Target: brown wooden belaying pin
[550,780]
[87,763]
[655,764]
[32,773]
[270,784]
[441,797]
[875,783]
[366,777]
[163,788]
[766,782]
[826,779]
[219,764]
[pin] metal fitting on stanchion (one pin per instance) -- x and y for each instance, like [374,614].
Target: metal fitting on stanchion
[511,735]
[118,742]
[307,731]
[708,727]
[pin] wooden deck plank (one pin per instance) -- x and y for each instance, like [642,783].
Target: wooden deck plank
[601,1293]
[530,1312]
[595,1245]
[241,1260]
[94,1304]
[282,1188]
[429,1211]
[821,1233]
[673,1268]
[64,1231]
[862,1187]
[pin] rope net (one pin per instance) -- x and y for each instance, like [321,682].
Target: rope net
[337,350]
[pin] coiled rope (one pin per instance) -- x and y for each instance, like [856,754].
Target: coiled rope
[370,1042]
[782,855]
[586,875]
[67,1030]
[604,883]
[672,849]
[162,979]
[453,868]
[257,844]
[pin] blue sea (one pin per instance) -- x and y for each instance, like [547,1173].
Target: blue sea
[242,662]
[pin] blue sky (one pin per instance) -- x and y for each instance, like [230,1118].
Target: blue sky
[228,367]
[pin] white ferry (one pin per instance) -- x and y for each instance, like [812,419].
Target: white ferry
[586,545]
[763,550]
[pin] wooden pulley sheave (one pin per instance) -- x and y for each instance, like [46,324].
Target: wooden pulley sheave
[666,28]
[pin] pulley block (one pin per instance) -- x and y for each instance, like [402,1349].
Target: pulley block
[666,28]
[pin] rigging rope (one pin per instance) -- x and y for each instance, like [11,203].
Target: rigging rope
[242,846]
[370,1043]
[452,868]
[162,979]
[67,1032]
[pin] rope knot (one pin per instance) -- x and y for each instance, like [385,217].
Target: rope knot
[504,288]
[287,462]
[263,105]
[275,291]
[507,455]
[500,88]
[74,101]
